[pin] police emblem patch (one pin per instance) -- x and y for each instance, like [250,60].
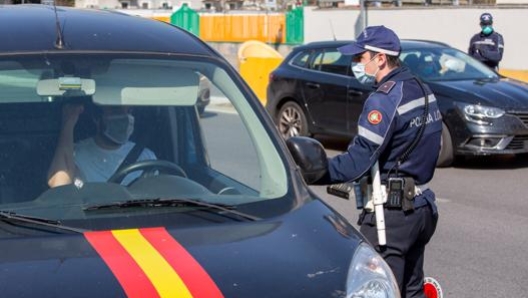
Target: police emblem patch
[374,117]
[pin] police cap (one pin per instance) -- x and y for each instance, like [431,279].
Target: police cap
[486,19]
[378,39]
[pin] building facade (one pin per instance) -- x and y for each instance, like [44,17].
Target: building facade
[169,5]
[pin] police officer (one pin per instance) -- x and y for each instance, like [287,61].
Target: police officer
[396,115]
[487,46]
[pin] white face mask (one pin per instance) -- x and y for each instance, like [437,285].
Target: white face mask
[118,128]
[359,72]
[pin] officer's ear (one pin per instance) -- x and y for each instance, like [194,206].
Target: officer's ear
[382,60]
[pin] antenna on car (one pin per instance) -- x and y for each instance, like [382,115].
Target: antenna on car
[59,43]
[332,28]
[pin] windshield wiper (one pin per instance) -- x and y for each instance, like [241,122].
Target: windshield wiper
[158,202]
[12,216]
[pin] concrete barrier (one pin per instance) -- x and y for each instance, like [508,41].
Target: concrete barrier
[256,61]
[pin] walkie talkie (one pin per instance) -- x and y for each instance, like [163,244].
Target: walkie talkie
[395,194]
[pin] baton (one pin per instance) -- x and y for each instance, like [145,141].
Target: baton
[378,200]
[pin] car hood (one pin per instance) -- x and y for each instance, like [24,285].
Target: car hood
[286,257]
[508,94]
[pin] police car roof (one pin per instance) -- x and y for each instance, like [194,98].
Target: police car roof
[29,28]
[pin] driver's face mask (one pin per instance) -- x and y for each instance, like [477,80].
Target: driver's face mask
[118,128]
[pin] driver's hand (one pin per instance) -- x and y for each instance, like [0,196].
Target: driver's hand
[70,114]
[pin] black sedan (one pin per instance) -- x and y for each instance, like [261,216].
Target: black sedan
[314,92]
[209,207]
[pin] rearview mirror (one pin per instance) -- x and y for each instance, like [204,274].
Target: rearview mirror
[66,86]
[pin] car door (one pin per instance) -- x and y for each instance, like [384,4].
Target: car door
[325,90]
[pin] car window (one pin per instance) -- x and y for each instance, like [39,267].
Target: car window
[445,64]
[244,165]
[198,135]
[331,61]
[301,59]
[425,64]
[18,84]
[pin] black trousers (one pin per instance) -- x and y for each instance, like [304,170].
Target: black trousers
[407,234]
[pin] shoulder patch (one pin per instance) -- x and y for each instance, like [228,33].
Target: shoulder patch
[386,87]
[374,117]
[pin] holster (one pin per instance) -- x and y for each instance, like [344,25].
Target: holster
[408,194]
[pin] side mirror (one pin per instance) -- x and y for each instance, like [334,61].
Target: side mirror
[310,156]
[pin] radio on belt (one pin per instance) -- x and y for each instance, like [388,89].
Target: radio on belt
[400,193]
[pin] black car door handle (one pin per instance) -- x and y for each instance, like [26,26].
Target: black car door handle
[355,92]
[313,85]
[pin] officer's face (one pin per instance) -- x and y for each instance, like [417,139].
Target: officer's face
[369,60]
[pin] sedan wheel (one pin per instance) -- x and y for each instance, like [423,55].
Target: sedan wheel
[291,120]
[446,156]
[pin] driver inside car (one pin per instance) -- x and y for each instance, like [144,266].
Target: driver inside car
[97,158]
[427,67]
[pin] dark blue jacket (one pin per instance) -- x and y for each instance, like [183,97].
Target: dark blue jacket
[487,48]
[388,124]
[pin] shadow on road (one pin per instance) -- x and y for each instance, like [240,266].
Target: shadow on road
[493,162]
[475,162]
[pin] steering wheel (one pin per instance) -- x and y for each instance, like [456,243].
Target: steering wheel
[149,167]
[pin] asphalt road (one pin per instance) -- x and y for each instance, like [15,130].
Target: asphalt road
[482,236]
[479,246]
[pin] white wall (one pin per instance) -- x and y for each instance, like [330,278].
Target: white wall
[452,25]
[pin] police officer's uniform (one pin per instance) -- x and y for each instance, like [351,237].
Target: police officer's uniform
[487,48]
[389,123]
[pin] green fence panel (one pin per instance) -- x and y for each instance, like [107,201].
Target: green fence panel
[187,19]
[295,26]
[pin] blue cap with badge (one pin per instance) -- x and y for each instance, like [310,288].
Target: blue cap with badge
[378,39]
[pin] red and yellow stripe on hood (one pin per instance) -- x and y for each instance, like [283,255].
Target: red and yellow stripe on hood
[151,263]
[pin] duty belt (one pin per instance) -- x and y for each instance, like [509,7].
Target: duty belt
[419,200]
[419,189]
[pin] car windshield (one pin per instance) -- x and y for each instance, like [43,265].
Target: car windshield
[441,63]
[137,127]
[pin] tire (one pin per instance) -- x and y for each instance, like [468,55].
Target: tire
[446,156]
[291,120]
